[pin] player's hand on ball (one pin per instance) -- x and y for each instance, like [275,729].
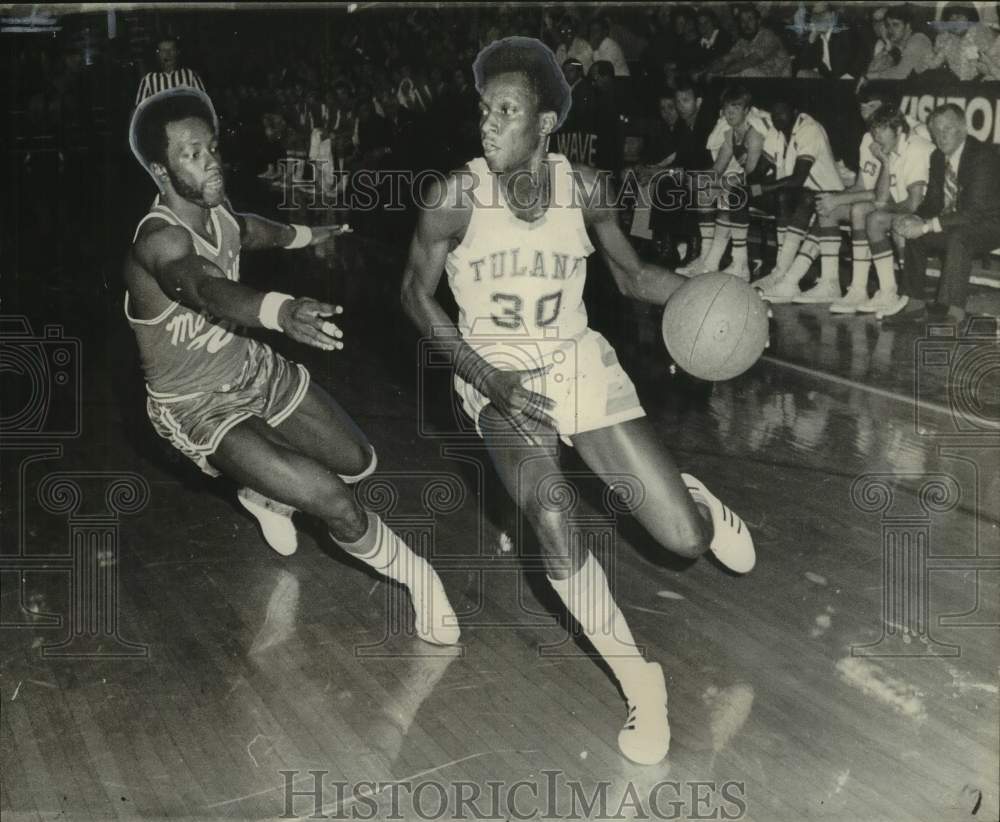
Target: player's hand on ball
[305,320]
[512,398]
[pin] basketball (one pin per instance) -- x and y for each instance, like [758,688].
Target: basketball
[715,326]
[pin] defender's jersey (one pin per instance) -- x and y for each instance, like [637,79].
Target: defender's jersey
[869,165]
[512,278]
[809,140]
[185,352]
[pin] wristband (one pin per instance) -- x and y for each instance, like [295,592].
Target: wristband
[303,236]
[269,307]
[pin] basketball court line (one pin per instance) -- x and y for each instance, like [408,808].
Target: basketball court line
[913,402]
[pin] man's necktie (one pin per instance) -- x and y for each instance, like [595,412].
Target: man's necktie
[950,188]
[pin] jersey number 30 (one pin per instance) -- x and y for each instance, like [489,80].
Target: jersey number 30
[511,308]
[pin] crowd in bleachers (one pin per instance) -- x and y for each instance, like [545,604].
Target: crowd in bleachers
[389,88]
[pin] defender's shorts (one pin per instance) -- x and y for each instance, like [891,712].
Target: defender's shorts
[590,389]
[269,387]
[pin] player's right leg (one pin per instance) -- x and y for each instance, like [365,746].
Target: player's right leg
[887,300]
[532,476]
[249,454]
[861,259]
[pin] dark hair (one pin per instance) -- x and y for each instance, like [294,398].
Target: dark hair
[903,13]
[704,11]
[683,11]
[603,68]
[737,96]
[889,117]
[748,8]
[970,11]
[168,38]
[148,133]
[947,108]
[685,82]
[885,95]
[536,62]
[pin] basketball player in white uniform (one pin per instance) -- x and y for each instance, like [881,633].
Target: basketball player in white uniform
[805,168]
[225,400]
[511,230]
[858,204]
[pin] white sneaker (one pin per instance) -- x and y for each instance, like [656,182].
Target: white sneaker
[742,271]
[434,619]
[783,291]
[823,292]
[275,519]
[892,304]
[693,268]
[766,282]
[848,304]
[732,543]
[879,301]
[645,738]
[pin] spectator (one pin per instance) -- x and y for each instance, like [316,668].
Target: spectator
[607,118]
[882,56]
[572,46]
[170,75]
[989,61]
[758,52]
[960,217]
[687,44]
[833,50]
[605,48]
[962,40]
[581,113]
[714,41]
[410,94]
[914,47]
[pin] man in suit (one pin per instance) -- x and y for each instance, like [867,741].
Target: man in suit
[833,50]
[959,218]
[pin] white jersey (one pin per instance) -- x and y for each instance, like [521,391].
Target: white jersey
[869,165]
[809,140]
[517,279]
[909,164]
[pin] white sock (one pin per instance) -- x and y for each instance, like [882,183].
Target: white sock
[719,243]
[803,261]
[829,254]
[383,550]
[587,597]
[862,259]
[882,259]
[789,248]
[739,233]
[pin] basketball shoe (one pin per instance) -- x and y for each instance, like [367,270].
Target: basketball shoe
[731,543]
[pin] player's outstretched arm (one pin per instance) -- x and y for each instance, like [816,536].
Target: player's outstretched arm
[634,278]
[169,255]
[258,232]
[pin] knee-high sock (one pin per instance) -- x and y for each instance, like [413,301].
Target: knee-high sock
[808,251]
[829,251]
[719,243]
[739,229]
[587,597]
[882,260]
[706,228]
[861,254]
[386,552]
[789,247]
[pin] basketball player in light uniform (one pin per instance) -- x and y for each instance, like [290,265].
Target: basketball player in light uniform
[744,143]
[806,166]
[225,400]
[512,231]
[870,225]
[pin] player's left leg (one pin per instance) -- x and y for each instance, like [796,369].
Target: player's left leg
[827,287]
[676,509]
[795,213]
[887,300]
[861,258]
